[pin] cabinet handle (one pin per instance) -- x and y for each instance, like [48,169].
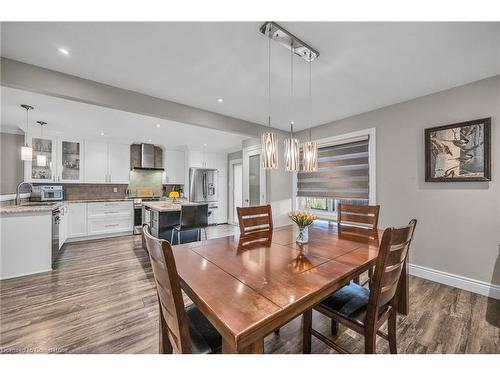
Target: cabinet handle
[111,212]
[109,177]
[111,225]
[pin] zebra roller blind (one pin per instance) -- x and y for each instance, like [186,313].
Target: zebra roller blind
[342,173]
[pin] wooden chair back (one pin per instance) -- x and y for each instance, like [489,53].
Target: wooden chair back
[255,219]
[359,222]
[391,259]
[173,319]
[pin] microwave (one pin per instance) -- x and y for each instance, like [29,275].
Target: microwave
[47,193]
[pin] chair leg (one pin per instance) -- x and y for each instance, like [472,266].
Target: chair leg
[306,332]
[391,330]
[335,328]
[198,235]
[172,237]
[205,231]
[370,342]
[356,280]
[178,237]
[164,343]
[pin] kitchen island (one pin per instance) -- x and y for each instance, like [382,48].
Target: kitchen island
[162,216]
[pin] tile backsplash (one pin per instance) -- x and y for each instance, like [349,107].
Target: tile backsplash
[146,179]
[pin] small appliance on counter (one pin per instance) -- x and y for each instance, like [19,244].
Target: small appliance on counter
[44,193]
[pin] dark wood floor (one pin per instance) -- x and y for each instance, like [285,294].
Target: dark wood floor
[101,299]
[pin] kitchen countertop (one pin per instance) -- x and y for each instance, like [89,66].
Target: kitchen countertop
[30,207]
[165,206]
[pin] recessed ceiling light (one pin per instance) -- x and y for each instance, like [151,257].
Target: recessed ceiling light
[149,140]
[158,125]
[204,144]
[102,133]
[64,51]
[220,100]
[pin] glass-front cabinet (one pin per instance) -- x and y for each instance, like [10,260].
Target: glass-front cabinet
[42,165]
[69,166]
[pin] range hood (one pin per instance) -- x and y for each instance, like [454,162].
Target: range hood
[146,156]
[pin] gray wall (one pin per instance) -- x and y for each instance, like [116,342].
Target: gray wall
[11,172]
[458,228]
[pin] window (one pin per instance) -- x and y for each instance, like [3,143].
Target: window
[342,177]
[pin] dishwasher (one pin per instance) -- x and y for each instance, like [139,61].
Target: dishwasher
[56,220]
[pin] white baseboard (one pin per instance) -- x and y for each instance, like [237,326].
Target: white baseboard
[461,282]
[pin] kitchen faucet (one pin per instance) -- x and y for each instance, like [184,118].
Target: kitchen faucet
[22,186]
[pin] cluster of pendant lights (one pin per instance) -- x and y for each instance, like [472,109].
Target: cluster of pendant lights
[269,155]
[26,150]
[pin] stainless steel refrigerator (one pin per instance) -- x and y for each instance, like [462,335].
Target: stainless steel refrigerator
[203,185]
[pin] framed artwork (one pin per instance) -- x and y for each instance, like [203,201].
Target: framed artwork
[459,152]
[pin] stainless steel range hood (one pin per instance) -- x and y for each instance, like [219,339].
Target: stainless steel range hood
[146,156]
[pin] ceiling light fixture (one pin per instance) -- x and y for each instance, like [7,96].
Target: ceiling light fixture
[158,125]
[220,100]
[291,144]
[102,134]
[26,150]
[310,149]
[277,33]
[269,141]
[63,51]
[150,140]
[41,160]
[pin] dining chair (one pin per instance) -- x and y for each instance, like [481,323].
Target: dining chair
[363,310]
[360,223]
[193,217]
[182,330]
[255,219]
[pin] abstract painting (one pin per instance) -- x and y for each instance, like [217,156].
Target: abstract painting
[458,152]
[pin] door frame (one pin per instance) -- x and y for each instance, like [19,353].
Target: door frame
[247,152]
[230,217]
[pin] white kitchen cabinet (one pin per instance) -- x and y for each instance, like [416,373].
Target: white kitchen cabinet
[175,167]
[63,225]
[196,159]
[42,167]
[210,159]
[222,200]
[119,163]
[221,163]
[107,162]
[77,220]
[96,166]
[69,160]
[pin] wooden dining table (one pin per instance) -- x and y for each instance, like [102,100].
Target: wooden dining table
[250,286]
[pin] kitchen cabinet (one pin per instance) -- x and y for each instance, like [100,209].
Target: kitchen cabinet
[221,163]
[42,167]
[69,157]
[63,225]
[77,220]
[202,159]
[175,167]
[106,162]
[96,167]
[118,165]
[222,200]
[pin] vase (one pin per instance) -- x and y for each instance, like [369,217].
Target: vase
[302,235]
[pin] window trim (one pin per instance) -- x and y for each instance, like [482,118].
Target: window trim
[372,161]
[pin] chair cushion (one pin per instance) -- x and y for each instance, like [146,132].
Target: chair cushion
[204,337]
[350,302]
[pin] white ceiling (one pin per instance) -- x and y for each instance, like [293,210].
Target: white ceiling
[88,121]
[362,66]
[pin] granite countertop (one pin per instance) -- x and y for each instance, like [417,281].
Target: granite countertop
[30,207]
[164,206]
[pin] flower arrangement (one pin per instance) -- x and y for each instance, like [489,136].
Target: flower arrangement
[173,195]
[302,218]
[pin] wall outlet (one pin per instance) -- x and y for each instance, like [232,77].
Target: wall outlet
[115,190]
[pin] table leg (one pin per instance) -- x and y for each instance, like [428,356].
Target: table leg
[255,348]
[404,291]
[306,331]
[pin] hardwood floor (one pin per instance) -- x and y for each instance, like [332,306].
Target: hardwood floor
[101,299]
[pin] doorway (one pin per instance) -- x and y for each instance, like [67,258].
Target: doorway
[254,177]
[235,189]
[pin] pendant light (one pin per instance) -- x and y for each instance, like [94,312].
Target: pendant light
[310,149]
[41,160]
[26,151]
[269,154]
[291,144]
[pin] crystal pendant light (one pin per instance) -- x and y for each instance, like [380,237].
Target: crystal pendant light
[41,160]
[269,141]
[26,151]
[291,144]
[310,149]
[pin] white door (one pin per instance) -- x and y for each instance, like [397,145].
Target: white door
[254,178]
[96,162]
[119,163]
[235,190]
[69,168]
